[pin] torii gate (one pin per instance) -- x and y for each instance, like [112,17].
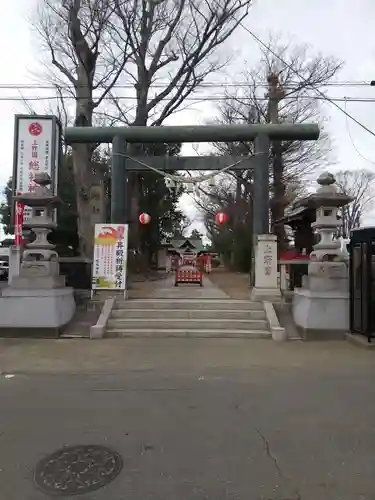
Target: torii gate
[265,278]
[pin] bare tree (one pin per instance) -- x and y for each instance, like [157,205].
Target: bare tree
[174,40]
[233,194]
[359,184]
[75,34]
[97,44]
[291,161]
[230,197]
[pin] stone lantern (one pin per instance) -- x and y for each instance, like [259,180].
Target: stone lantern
[321,306]
[327,200]
[37,302]
[40,260]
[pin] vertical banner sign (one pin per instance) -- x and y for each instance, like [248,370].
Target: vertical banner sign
[110,257]
[37,149]
[18,222]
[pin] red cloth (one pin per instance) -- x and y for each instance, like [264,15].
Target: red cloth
[292,254]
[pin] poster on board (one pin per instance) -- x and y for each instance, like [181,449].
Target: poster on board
[110,257]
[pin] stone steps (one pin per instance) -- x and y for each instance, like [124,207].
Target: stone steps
[191,324]
[236,314]
[186,333]
[183,303]
[198,318]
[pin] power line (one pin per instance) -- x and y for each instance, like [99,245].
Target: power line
[293,70]
[290,85]
[353,143]
[205,98]
[321,95]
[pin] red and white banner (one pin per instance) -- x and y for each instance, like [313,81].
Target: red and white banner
[18,223]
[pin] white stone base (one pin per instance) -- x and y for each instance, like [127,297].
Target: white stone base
[33,309]
[14,262]
[321,314]
[269,294]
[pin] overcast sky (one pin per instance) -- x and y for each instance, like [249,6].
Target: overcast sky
[340,28]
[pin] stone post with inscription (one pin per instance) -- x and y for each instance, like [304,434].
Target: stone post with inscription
[321,305]
[265,277]
[37,302]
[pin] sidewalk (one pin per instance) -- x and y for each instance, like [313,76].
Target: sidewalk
[106,355]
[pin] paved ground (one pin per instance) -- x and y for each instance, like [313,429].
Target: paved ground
[142,286]
[194,419]
[166,289]
[236,285]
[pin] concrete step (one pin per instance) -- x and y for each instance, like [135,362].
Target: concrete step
[188,314]
[187,333]
[189,324]
[216,304]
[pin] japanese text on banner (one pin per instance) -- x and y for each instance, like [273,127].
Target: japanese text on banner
[110,256]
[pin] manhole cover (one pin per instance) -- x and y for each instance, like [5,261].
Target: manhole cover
[75,470]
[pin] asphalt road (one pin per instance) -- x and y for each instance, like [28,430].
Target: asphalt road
[209,430]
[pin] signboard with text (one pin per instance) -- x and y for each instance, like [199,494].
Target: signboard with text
[37,148]
[110,257]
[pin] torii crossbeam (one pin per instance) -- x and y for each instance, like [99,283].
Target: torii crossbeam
[260,134]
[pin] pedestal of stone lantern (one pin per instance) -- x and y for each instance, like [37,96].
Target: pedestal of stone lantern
[321,305]
[37,302]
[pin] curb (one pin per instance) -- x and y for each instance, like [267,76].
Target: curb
[278,333]
[97,331]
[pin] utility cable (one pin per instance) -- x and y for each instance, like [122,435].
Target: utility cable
[352,141]
[293,70]
[210,98]
[220,84]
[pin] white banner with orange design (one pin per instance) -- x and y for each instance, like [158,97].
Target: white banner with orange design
[110,257]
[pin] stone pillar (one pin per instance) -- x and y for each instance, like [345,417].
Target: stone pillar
[120,203]
[261,205]
[265,279]
[264,260]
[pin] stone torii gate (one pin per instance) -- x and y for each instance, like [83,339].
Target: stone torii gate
[265,277]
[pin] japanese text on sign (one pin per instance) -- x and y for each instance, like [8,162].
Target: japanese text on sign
[37,150]
[33,151]
[267,259]
[110,256]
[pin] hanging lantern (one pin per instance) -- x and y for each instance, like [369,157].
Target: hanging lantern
[144,218]
[221,218]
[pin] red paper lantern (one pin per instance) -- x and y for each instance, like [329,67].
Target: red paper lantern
[221,218]
[144,218]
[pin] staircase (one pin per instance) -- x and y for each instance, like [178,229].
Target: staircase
[187,317]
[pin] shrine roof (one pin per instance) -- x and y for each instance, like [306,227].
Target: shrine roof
[295,214]
[179,243]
